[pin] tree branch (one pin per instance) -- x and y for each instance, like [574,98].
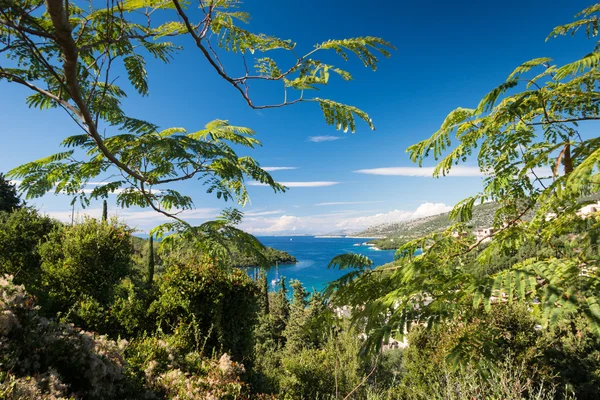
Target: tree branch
[60,20]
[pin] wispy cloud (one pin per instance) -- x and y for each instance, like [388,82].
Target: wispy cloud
[341,203]
[262,213]
[298,184]
[326,138]
[136,217]
[422,172]
[270,169]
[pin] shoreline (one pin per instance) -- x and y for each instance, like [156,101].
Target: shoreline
[347,237]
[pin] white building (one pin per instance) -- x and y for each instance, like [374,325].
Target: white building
[589,209]
[484,234]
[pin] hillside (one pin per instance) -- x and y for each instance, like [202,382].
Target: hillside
[400,232]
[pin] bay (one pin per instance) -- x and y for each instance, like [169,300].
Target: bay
[314,254]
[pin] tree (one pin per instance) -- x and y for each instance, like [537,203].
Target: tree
[279,310]
[9,200]
[68,55]
[526,138]
[296,330]
[104,211]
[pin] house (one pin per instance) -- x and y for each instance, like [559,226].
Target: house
[585,211]
[484,234]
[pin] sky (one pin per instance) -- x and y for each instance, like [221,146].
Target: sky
[449,54]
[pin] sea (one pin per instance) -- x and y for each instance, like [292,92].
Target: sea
[314,254]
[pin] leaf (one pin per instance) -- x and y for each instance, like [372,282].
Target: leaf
[342,115]
[350,261]
[136,70]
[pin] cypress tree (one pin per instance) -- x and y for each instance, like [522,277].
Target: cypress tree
[295,330]
[104,211]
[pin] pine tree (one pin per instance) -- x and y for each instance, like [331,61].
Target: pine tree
[8,195]
[104,211]
[295,330]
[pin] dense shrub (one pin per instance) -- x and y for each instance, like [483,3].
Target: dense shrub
[21,233]
[501,354]
[164,365]
[335,369]
[84,263]
[208,307]
[42,358]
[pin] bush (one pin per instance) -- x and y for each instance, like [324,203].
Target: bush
[44,359]
[88,259]
[164,365]
[21,233]
[208,307]
[500,354]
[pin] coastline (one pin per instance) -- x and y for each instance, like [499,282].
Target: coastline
[347,237]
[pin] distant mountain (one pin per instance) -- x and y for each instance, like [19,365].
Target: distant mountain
[398,233]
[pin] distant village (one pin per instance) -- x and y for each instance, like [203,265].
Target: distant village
[484,235]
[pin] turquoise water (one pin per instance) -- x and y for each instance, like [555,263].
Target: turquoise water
[314,254]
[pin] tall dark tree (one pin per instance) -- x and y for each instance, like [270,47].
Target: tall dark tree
[9,200]
[295,331]
[105,213]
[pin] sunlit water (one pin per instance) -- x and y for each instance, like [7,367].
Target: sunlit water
[314,254]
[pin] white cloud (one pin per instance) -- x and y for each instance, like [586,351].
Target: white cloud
[343,221]
[270,169]
[297,184]
[262,213]
[424,210]
[326,138]
[341,203]
[135,217]
[421,171]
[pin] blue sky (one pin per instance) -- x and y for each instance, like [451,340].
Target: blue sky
[449,54]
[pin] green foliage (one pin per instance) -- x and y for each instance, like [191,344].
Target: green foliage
[9,200]
[207,307]
[84,261]
[294,333]
[525,138]
[104,211]
[21,234]
[323,372]
[67,57]
[504,356]
[272,255]
[279,310]
[42,359]
[218,241]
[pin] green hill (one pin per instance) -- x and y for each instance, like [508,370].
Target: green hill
[400,232]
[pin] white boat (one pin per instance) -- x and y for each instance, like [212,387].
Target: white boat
[275,282]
